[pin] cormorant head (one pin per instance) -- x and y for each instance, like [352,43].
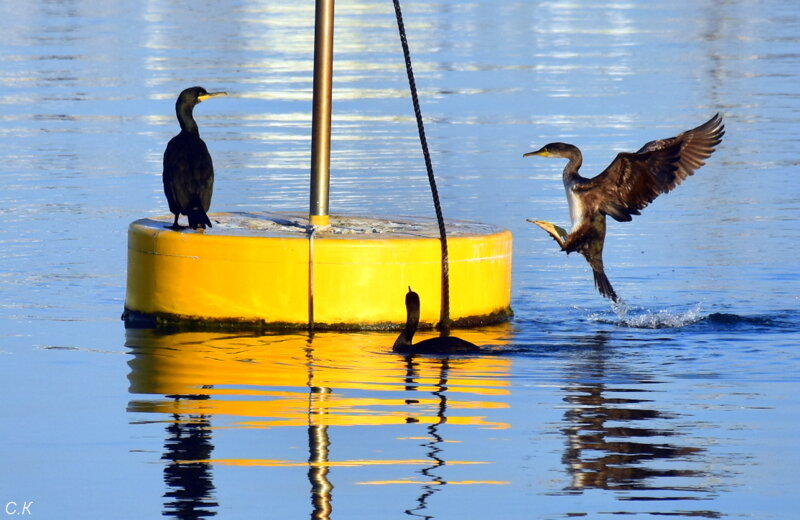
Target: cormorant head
[194,95]
[412,320]
[186,103]
[412,305]
[564,150]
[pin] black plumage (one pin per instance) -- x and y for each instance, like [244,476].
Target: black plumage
[441,345]
[188,170]
[628,185]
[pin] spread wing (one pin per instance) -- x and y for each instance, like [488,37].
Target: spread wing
[634,180]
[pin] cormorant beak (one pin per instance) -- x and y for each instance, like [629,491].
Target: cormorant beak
[203,97]
[541,153]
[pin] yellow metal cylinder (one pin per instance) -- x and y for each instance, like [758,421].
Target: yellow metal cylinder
[320,220]
[260,269]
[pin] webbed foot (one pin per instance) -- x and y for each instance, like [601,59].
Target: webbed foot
[558,233]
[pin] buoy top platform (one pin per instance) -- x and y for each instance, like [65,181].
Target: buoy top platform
[269,271]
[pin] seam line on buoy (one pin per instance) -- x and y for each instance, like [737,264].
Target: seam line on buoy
[311,277]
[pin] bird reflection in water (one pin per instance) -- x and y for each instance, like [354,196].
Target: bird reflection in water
[189,481]
[434,440]
[609,445]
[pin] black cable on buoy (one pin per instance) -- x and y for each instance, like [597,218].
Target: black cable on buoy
[444,314]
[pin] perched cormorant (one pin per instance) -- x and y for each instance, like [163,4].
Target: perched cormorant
[440,345]
[188,171]
[631,182]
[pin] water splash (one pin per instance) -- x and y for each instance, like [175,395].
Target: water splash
[641,318]
[627,316]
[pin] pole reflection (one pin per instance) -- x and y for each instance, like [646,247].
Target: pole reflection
[318,443]
[617,440]
[321,487]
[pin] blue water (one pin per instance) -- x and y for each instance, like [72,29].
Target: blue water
[682,403]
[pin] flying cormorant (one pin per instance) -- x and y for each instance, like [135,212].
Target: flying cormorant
[631,182]
[440,345]
[188,171]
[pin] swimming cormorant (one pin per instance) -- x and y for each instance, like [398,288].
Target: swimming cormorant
[630,183]
[440,345]
[188,171]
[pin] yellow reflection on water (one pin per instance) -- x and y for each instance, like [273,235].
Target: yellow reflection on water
[335,379]
[327,463]
[202,382]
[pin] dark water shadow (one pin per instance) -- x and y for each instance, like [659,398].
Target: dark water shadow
[433,446]
[189,480]
[616,438]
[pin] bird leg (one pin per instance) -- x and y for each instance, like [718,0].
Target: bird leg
[559,234]
[175,226]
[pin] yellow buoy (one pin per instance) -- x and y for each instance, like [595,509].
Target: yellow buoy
[265,270]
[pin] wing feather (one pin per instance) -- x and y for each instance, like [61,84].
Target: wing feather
[634,180]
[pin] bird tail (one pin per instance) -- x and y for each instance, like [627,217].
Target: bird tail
[604,285]
[198,218]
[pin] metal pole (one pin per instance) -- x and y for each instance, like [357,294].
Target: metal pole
[321,117]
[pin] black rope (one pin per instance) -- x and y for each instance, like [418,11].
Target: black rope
[444,314]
